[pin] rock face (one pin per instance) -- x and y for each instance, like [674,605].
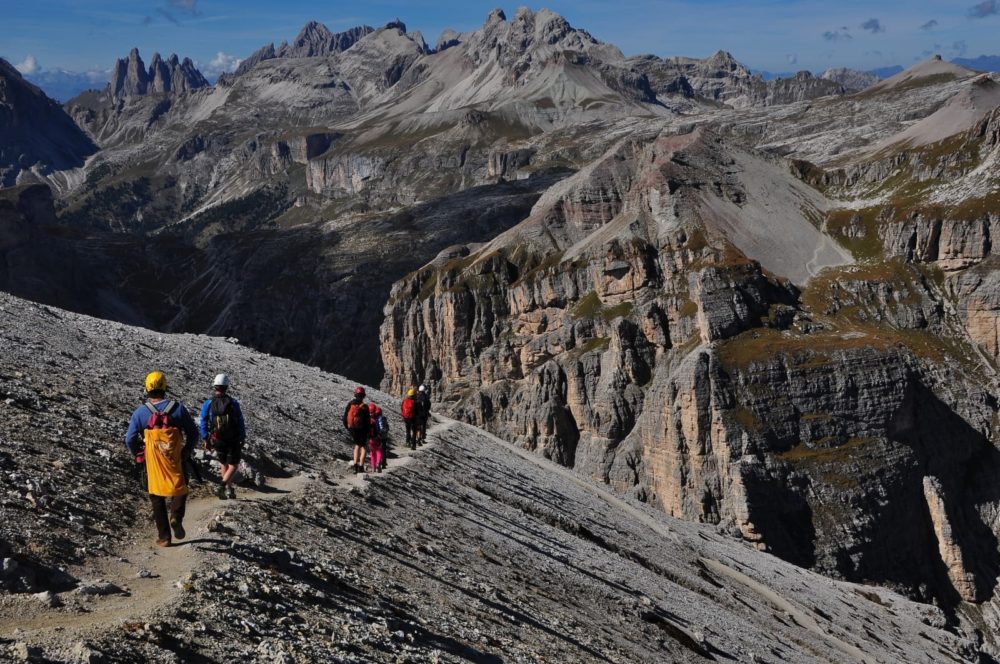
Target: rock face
[766,307]
[852,79]
[721,78]
[130,78]
[627,329]
[36,134]
[580,575]
[314,40]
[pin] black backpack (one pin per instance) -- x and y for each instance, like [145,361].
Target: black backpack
[424,404]
[223,424]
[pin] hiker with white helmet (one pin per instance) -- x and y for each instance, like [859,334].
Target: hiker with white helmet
[423,413]
[224,431]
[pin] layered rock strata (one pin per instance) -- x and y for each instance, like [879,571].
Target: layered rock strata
[627,329]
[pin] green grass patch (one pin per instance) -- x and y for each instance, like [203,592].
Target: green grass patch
[588,307]
[594,344]
[825,449]
[857,231]
[688,309]
[619,310]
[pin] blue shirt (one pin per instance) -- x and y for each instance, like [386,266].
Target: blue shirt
[137,425]
[206,418]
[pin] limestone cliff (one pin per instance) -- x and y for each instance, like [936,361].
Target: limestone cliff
[636,328]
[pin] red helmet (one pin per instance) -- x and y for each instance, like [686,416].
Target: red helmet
[378,411]
[373,408]
[359,391]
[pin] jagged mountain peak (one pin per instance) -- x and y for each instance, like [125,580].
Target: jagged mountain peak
[314,36]
[131,78]
[313,40]
[726,61]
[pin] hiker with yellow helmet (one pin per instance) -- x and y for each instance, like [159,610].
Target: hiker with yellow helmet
[161,433]
[410,411]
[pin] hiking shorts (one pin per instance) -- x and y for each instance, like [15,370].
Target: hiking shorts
[359,436]
[228,454]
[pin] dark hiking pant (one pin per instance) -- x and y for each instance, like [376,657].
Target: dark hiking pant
[411,432]
[160,517]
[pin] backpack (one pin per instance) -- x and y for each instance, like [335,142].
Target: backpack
[424,402]
[356,419]
[164,443]
[160,419]
[382,426]
[223,424]
[409,409]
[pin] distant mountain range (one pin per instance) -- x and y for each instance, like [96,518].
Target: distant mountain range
[983,62]
[881,72]
[63,85]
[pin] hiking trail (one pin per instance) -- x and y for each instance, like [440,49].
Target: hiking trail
[149,577]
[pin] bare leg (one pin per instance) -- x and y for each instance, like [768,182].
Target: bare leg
[228,471]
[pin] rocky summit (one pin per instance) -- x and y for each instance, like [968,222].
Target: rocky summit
[714,359]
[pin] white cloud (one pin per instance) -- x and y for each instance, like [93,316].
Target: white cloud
[29,66]
[221,63]
[792,58]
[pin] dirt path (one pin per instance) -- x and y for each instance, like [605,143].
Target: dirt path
[401,456]
[150,576]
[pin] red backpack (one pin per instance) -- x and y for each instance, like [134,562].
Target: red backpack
[355,418]
[409,409]
[159,419]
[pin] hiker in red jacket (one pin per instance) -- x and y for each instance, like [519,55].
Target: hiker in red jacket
[411,412]
[357,422]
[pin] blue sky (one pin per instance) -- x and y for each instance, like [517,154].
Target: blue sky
[777,35]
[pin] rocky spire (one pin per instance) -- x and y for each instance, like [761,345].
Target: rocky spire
[159,75]
[185,76]
[130,78]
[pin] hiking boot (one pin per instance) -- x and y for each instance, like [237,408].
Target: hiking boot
[220,492]
[162,542]
[232,493]
[355,469]
[178,528]
[379,469]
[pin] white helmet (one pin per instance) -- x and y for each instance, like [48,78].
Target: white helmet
[222,380]
[422,388]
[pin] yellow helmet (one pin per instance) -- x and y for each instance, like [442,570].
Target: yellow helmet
[156,381]
[411,392]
